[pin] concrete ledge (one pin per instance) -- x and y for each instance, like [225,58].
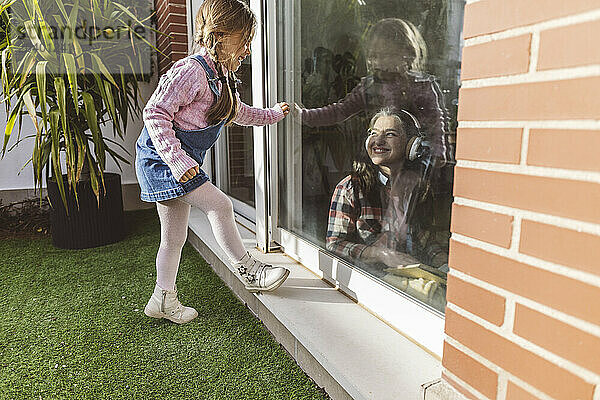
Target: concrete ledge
[340,345]
[440,390]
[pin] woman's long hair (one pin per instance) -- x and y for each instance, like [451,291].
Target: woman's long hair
[214,19]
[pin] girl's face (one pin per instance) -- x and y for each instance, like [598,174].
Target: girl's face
[234,48]
[386,143]
[383,56]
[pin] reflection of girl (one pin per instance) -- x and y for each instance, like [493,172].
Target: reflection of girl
[379,214]
[396,56]
[194,100]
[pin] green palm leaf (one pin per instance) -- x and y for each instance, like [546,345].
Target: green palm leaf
[72,75]
[9,127]
[103,68]
[40,76]
[55,154]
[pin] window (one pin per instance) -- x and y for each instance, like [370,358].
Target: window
[237,148]
[365,171]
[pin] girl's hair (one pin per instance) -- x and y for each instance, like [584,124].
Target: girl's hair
[401,33]
[363,169]
[214,20]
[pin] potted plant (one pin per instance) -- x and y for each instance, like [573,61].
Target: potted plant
[74,68]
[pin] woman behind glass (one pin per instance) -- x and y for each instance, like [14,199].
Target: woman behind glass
[380,215]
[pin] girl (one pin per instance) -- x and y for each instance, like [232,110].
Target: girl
[194,100]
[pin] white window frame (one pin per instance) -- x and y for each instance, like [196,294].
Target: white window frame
[420,322]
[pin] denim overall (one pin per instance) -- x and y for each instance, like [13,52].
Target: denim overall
[156,180]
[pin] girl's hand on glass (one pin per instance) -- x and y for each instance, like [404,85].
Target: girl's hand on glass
[189,174]
[285,107]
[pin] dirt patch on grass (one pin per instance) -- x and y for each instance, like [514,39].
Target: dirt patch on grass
[25,219]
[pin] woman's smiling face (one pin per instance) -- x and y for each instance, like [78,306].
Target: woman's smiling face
[387,142]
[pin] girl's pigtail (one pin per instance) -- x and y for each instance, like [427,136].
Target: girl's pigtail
[226,106]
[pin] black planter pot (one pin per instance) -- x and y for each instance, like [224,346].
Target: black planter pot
[89,225]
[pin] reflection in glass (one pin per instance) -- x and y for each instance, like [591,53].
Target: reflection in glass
[344,62]
[379,215]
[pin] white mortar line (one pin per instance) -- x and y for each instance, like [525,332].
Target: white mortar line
[568,272]
[582,124]
[536,27]
[575,322]
[597,393]
[553,75]
[465,385]
[524,145]
[534,51]
[494,367]
[502,385]
[516,235]
[530,170]
[509,314]
[567,223]
[581,372]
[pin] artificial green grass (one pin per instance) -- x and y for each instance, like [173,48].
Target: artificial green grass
[72,326]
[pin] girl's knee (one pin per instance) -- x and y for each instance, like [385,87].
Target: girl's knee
[224,205]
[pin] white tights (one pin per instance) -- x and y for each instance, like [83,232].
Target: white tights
[174,214]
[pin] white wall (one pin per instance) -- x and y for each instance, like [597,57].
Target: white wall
[13,161]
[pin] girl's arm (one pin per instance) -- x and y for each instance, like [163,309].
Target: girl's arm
[177,88]
[331,114]
[248,116]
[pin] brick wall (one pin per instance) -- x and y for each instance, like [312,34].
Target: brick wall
[171,19]
[523,316]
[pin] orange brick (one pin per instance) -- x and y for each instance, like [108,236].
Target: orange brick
[176,19]
[540,373]
[458,387]
[559,338]
[576,298]
[179,47]
[514,392]
[484,225]
[476,300]
[496,58]
[569,148]
[489,144]
[488,16]
[560,197]
[553,100]
[562,246]
[177,28]
[478,376]
[569,46]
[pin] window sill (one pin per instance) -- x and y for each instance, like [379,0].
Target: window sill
[339,344]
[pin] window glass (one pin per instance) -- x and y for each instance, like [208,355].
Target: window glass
[366,164]
[239,181]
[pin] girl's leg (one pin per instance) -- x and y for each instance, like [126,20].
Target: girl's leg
[219,210]
[174,215]
[164,302]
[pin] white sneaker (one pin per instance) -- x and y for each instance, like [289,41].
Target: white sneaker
[260,277]
[165,304]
